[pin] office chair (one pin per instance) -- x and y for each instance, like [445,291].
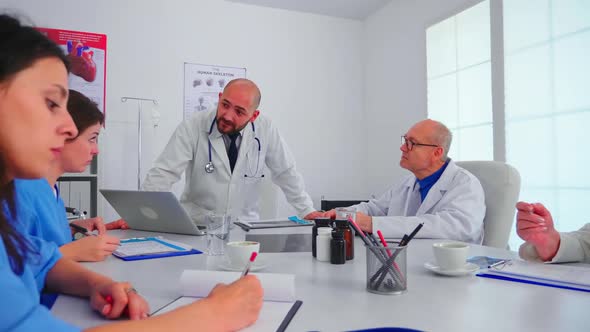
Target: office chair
[501,186]
[327,205]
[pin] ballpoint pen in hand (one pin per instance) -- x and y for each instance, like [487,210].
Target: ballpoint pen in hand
[80,229]
[247,268]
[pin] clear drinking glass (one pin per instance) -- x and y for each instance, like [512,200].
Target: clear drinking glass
[217,232]
[343,213]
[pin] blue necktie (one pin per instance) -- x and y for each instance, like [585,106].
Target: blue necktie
[232,152]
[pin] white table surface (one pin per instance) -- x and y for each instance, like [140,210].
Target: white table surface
[334,296]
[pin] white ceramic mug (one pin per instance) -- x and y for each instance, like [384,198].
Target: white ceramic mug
[450,255]
[238,252]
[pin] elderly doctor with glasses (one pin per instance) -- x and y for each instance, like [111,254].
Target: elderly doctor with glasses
[225,155]
[445,197]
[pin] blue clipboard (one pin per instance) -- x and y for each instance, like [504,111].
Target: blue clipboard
[180,251]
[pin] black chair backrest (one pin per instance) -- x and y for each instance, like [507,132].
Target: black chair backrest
[327,205]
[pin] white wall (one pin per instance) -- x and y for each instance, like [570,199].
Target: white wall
[309,68]
[395,75]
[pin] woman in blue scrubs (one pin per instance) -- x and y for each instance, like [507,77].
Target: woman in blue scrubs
[34,125]
[46,217]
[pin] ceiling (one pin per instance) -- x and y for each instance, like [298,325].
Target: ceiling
[352,9]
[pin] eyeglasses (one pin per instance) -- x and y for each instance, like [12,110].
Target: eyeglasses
[410,145]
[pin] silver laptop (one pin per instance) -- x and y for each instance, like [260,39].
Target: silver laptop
[155,211]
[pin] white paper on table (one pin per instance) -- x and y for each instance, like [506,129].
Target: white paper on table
[279,294]
[271,314]
[277,287]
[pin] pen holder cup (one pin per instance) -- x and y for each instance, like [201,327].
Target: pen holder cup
[386,269]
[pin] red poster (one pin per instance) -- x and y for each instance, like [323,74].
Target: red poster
[87,53]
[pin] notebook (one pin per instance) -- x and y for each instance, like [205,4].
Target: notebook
[551,275]
[151,247]
[273,223]
[278,308]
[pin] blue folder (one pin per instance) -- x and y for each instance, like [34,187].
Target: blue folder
[536,281]
[180,251]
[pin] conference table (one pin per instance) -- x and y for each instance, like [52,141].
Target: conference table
[335,299]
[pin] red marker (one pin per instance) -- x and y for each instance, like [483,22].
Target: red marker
[247,268]
[383,242]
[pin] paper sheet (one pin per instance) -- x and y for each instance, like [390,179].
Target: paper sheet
[277,287]
[279,294]
[271,314]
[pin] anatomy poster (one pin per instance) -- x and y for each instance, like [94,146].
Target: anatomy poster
[203,83]
[87,53]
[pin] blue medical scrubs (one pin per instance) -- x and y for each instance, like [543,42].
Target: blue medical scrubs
[44,216]
[20,309]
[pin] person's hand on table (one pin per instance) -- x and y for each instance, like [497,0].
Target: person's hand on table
[117,224]
[313,215]
[115,299]
[90,248]
[365,222]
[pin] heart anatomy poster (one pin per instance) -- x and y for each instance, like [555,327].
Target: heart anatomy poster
[87,53]
[203,83]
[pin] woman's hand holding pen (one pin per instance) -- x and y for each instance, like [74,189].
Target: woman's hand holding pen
[534,224]
[240,302]
[91,248]
[92,224]
[114,299]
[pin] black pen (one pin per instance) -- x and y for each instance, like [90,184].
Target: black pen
[411,236]
[79,229]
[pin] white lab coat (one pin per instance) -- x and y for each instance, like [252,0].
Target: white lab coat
[453,209]
[573,247]
[221,191]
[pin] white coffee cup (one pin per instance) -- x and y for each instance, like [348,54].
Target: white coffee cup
[238,252]
[450,255]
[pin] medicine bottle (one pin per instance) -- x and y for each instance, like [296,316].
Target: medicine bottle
[320,222]
[348,237]
[323,244]
[337,247]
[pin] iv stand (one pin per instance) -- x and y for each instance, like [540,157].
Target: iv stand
[124,99]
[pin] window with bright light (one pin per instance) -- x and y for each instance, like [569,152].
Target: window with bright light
[459,81]
[547,98]
[545,68]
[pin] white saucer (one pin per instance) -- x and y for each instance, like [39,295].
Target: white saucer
[467,269]
[259,264]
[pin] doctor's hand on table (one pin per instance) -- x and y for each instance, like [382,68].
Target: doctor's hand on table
[90,248]
[313,215]
[115,299]
[364,221]
[534,224]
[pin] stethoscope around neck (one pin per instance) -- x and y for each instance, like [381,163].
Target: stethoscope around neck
[210,168]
